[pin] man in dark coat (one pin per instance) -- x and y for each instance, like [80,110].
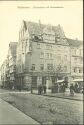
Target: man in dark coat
[71,89]
[44,88]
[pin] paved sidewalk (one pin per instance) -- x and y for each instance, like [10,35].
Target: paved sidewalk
[77,96]
[11,115]
[66,95]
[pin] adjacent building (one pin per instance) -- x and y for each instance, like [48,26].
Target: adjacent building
[3,73]
[76,60]
[8,68]
[12,63]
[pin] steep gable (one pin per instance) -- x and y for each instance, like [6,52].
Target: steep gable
[55,34]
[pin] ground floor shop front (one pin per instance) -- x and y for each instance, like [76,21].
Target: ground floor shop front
[24,81]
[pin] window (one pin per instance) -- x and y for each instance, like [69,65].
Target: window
[47,55]
[38,46]
[33,67]
[36,38]
[42,55]
[40,38]
[48,46]
[80,70]
[75,70]
[49,66]
[57,39]
[41,66]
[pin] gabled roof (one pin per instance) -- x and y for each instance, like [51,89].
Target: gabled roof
[38,28]
[74,43]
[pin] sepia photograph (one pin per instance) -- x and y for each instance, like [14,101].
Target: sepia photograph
[41,62]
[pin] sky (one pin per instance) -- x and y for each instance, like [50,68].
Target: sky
[69,14]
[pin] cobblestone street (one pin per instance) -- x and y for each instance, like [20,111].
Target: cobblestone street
[50,110]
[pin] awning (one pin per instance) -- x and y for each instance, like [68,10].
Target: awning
[78,80]
[59,81]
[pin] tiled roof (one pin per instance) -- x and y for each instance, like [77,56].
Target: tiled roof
[38,28]
[74,43]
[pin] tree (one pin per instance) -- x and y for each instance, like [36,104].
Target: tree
[56,72]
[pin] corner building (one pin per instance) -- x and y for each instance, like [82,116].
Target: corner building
[43,55]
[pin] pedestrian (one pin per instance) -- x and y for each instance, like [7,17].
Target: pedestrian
[44,88]
[40,88]
[56,87]
[71,90]
[64,86]
[61,87]
[76,87]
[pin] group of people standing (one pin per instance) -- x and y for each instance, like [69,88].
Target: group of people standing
[74,88]
[56,88]
[59,88]
[41,89]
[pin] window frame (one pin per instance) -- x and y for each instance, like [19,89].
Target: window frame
[33,67]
